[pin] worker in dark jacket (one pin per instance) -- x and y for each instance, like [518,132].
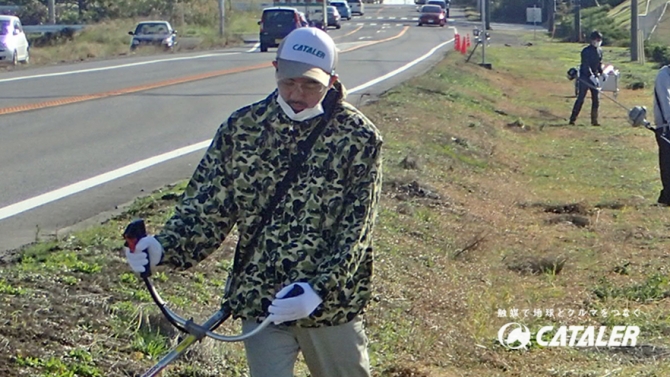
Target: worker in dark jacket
[589,71]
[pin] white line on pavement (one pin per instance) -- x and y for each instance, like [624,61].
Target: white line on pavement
[115,67]
[401,69]
[34,202]
[52,196]
[256,46]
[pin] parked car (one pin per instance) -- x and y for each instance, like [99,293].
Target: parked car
[432,15]
[276,23]
[356,7]
[303,19]
[14,46]
[153,33]
[343,8]
[333,17]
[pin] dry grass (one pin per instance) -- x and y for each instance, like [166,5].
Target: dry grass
[485,249]
[479,214]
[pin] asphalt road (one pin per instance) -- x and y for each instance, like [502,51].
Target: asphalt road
[78,141]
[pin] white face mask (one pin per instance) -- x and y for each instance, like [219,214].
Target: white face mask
[597,43]
[306,114]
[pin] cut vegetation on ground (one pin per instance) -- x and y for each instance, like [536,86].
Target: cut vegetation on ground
[491,203]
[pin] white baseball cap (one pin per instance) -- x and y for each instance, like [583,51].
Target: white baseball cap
[307,52]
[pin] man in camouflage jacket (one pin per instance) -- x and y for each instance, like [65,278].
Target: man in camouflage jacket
[319,236]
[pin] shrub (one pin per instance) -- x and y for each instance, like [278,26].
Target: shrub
[657,52]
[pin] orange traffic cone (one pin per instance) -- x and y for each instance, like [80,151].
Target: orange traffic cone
[457,42]
[467,39]
[464,48]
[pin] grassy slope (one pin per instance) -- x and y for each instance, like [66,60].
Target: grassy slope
[466,215]
[662,32]
[621,13]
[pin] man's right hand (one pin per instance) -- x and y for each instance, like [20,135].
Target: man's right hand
[148,253]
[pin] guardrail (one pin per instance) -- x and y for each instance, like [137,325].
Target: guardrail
[10,8]
[41,29]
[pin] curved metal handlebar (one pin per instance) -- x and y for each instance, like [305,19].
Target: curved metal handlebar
[192,328]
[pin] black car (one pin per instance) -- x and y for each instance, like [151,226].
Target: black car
[154,33]
[276,23]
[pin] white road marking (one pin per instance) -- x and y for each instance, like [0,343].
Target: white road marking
[34,202]
[256,46]
[401,69]
[108,68]
[52,196]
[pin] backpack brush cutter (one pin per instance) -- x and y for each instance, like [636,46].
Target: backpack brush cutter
[637,116]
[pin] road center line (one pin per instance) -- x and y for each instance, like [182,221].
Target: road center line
[349,33]
[52,196]
[109,68]
[134,89]
[160,84]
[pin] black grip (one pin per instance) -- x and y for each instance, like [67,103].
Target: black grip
[136,230]
[295,291]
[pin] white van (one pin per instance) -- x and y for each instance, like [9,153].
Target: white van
[356,7]
[13,42]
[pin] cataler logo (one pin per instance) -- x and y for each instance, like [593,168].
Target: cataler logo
[519,336]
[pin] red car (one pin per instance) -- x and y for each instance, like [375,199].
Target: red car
[432,15]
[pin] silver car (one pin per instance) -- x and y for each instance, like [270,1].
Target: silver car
[14,47]
[154,33]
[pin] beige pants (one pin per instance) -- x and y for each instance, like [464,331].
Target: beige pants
[331,351]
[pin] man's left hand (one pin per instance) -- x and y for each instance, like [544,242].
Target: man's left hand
[294,308]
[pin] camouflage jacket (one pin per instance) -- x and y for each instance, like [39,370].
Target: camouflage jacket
[321,233]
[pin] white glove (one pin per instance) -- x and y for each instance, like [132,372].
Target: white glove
[138,260]
[293,308]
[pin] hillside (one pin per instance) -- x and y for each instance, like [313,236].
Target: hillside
[621,13]
[662,32]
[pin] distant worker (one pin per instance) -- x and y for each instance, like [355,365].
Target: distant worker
[589,70]
[661,114]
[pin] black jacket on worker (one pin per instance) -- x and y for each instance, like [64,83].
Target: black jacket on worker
[592,58]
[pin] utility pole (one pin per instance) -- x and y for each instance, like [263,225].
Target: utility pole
[325,15]
[483,37]
[578,20]
[634,47]
[222,16]
[81,6]
[52,11]
[551,16]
